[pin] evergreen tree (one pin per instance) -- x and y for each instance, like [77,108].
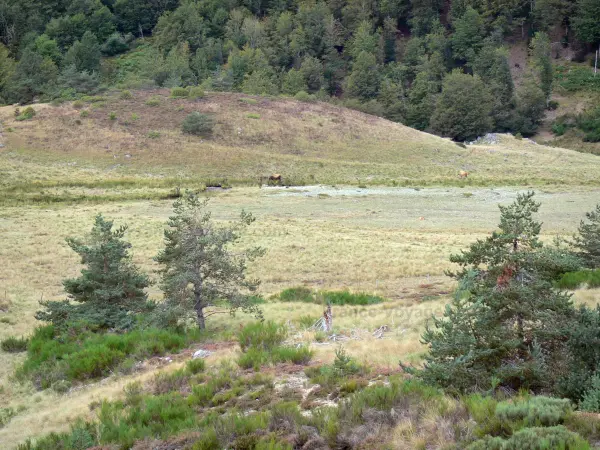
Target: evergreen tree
[506,325]
[531,107]
[110,288]
[312,71]
[199,268]
[586,23]
[540,53]
[464,107]
[421,102]
[363,81]
[293,82]
[34,75]
[587,241]
[492,65]
[469,33]
[85,54]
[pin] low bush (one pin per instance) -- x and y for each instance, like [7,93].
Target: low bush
[196,92]
[27,114]
[195,366]
[198,124]
[112,115]
[126,95]
[591,397]
[180,92]
[539,438]
[304,96]
[297,294]
[78,357]
[306,295]
[14,345]
[84,113]
[153,101]
[536,411]
[574,280]
[153,134]
[261,335]
[296,355]
[253,116]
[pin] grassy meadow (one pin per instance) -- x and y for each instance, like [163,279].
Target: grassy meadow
[391,242]
[374,207]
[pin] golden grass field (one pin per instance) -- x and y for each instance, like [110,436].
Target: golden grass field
[393,241]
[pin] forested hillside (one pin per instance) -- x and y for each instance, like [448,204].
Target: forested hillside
[432,65]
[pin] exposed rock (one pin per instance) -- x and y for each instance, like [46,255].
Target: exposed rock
[201,354]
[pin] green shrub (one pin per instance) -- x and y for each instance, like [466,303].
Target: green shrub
[93,99]
[198,124]
[574,280]
[535,411]
[304,96]
[83,355]
[559,129]
[27,114]
[348,298]
[297,294]
[14,345]
[303,294]
[253,116]
[112,115]
[195,366]
[519,136]
[196,92]
[539,438]
[296,355]
[84,113]
[153,101]
[249,101]
[153,134]
[126,95]
[261,335]
[179,92]
[591,397]
[78,104]
[253,358]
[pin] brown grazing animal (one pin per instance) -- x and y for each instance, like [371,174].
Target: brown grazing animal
[463,174]
[275,178]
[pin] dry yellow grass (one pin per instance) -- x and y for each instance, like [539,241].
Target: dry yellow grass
[371,240]
[393,242]
[305,142]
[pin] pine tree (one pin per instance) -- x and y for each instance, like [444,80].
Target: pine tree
[506,325]
[585,22]
[587,241]
[199,269]
[363,81]
[540,53]
[85,54]
[468,36]
[110,288]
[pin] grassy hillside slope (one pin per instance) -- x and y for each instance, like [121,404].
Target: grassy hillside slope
[121,145]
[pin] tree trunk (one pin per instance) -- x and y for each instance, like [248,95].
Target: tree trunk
[199,306]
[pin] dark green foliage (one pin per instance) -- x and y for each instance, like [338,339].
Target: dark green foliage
[85,54]
[591,398]
[114,45]
[468,35]
[506,324]
[536,411]
[14,345]
[261,344]
[306,295]
[582,355]
[79,355]
[195,366]
[110,288]
[585,24]
[540,51]
[363,81]
[82,82]
[464,108]
[198,124]
[539,438]
[587,240]
[297,294]
[575,280]
[198,268]
[589,122]
[261,335]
